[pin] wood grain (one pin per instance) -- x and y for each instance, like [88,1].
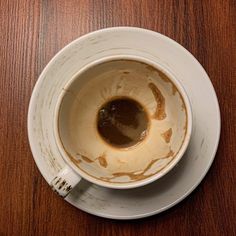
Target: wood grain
[31,32]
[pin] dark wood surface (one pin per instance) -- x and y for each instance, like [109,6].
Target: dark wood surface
[31,32]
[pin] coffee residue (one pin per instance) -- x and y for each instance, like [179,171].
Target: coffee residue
[167,135]
[134,176]
[86,159]
[164,77]
[160,113]
[75,161]
[122,122]
[102,161]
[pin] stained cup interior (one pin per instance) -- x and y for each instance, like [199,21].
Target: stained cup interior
[166,134]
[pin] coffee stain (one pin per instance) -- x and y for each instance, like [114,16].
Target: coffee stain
[102,160]
[134,176]
[185,126]
[72,158]
[167,79]
[164,77]
[86,159]
[75,161]
[167,135]
[174,89]
[160,113]
[149,67]
[126,72]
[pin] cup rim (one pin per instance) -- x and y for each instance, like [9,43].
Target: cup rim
[137,183]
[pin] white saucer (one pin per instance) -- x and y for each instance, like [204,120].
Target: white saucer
[170,189]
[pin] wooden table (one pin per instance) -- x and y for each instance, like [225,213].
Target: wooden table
[31,32]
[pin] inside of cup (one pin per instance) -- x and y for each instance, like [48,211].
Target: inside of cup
[91,90]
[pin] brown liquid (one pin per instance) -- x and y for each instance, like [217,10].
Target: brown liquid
[122,122]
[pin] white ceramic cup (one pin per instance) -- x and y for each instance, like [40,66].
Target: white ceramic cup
[72,173]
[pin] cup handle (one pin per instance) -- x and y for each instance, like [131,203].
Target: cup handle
[65,181]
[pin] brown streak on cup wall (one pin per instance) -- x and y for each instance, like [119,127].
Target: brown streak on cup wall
[140,176]
[160,113]
[167,135]
[102,160]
